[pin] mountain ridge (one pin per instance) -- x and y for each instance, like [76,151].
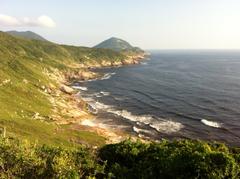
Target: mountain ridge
[26,34]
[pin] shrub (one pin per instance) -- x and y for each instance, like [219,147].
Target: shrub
[25,160]
[166,159]
[177,159]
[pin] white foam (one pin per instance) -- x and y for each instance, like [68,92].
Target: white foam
[101,94]
[104,93]
[98,95]
[139,130]
[83,88]
[167,127]
[161,125]
[88,123]
[211,123]
[99,105]
[146,119]
[144,63]
[107,76]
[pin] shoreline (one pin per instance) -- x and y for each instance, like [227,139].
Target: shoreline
[70,103]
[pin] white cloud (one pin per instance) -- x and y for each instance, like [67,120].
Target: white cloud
[8,20]
[42,21]
[46,21]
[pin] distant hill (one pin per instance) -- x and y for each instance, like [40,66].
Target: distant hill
[26,34]
[117,44]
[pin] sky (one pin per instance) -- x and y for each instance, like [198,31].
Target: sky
[149,24]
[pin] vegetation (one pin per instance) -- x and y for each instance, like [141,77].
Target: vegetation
[119,45]
[21,159]
[178,159]
[27,35]
[25,66]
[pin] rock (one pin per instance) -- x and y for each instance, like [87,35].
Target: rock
[43,87]
[117,63]
[66,89]
[25,81]
[51,86]
[106,63]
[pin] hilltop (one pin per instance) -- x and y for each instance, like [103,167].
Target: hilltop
[118,45]
[26,34]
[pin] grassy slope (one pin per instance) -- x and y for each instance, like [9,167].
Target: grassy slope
[25,60]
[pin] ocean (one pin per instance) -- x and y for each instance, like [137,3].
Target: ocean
[193,94]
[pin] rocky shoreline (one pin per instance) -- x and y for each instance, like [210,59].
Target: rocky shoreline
[66,100]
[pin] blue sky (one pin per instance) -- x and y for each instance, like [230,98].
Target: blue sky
[150,24]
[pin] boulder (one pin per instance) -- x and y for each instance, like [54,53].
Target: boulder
[66,89]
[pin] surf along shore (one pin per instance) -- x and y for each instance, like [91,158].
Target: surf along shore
[67,100]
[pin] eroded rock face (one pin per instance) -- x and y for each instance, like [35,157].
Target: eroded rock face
[80,75]
[66,89]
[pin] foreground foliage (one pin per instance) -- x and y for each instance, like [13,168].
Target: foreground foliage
[178,159]
[25,160]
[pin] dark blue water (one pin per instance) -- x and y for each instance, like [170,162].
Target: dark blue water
[173,94]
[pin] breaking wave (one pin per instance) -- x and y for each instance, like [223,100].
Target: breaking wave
[167,127]
[159,124]
[101,94]
[139,130]
[83,88]
[211,123]
[104,93]
[107,76]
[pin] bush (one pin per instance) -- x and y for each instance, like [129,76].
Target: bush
[178,159]
[25,160]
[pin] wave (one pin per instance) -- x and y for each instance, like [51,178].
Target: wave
[83,88]
[144,63]
[139,130]
[167,126]
[146,119]
[211,123]
[107,76]
[104,93]
[101,94]
[159,124]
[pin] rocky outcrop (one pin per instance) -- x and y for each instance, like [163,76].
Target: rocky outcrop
[81,75]
[66,89]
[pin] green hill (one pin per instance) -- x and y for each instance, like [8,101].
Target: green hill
[26,34]
[28,68]
[118,45]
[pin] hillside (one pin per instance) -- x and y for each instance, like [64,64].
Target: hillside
[31,74]
[27,35]
[118,45]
